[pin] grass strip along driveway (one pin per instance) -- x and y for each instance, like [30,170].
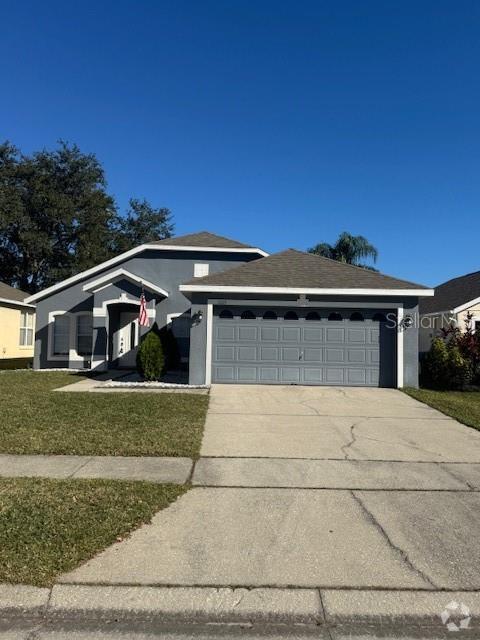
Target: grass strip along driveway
[48,527]
[37,420]
[464,406]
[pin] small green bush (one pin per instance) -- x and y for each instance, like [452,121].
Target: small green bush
[150,358]
[444,366]
[435,365]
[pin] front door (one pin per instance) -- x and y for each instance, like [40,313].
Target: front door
[126,343]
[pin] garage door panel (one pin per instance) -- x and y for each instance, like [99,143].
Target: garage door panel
[356,376]
[334,376]
[270,353]
[317,352]
[224,374]
[290,374]
[334,355]
[291,354]
[313,355]
[312,376]
[269,374]
[269,334]
[247,333]
[225,333]
[247,354]
[313,334]
[247,374]
[335,335]
[224,354]
[356,355]
[356,335]
[291,334]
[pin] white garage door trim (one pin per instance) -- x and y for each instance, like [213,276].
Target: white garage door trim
[209,346]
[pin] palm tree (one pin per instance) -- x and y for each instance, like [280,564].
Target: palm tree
[349,249]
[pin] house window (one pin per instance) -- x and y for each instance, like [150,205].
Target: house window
[26,329]
[248,315]
[335,317]
[312,315]
[379,317]
[356,317]
[84,335]
[226,314]
[290,315]
[200,270]
[476,326]
[61,335]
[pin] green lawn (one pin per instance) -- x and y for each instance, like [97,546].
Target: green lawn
[36,419]
[48,527]
[464,406]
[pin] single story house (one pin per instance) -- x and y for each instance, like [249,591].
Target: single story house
[454,300]
[239,314]
[17,325]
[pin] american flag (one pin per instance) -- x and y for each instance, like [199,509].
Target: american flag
[143,315]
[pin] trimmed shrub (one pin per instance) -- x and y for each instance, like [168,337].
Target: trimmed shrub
[459,369]
[150,358]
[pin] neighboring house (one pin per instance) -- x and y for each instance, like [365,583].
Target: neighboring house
[17,324]
[241,316]
[452,303]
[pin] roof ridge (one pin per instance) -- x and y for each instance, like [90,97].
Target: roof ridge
[466,275]
[356,266]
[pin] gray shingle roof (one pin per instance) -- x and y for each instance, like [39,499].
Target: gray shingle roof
[292,268]
[453,293]
[204,239]
[12,294]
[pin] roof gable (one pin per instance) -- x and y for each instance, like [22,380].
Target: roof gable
[8,293]
[298,270]
[453,293]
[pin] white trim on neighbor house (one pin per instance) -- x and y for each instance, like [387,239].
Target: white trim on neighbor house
[132,252]
[467,305]
[194,288]
[17,303]
[123,274]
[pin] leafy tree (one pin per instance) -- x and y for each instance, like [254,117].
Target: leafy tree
[143,223]
[56,217]
[349,249]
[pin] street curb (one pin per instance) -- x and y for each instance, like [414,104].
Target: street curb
[262,605]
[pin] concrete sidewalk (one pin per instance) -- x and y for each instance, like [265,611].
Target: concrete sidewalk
[168,470]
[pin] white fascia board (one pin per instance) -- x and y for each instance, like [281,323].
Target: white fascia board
[113,276]
[467,305]
[129,254]
[17,303]
[193,288]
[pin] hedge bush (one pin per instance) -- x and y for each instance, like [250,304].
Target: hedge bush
[150,357]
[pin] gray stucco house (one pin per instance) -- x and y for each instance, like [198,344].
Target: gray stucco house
[239,314]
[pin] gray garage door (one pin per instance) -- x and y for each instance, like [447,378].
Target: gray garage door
[303,346]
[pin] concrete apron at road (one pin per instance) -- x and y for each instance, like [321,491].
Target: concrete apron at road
[304,487]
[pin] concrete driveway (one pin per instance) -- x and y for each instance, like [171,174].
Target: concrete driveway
[315,487]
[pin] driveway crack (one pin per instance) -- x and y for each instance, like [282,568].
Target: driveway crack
[353,438]
[403,554]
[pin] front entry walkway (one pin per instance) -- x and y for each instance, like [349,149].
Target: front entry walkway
[315,488]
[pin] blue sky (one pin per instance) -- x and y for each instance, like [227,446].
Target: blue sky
[276,123]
